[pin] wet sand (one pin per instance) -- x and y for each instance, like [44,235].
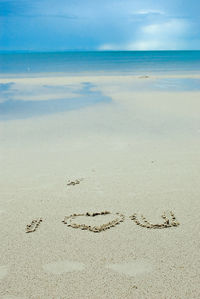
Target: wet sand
[136,153]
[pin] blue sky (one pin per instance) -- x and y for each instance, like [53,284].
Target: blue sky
[57,25]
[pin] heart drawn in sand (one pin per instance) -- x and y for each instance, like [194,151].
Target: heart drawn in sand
[94,226]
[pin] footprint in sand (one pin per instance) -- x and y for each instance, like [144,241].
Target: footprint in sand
[63,267]
[3,271]
[132,268]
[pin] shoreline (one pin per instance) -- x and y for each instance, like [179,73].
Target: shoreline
[168,74]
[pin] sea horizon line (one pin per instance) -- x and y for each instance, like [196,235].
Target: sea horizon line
[87,51]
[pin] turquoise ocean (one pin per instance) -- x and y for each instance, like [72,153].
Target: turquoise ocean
[115,62]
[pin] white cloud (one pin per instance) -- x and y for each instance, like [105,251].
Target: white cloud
[108,47]
[172,27]
[149,11]
[167,35]
[158,36]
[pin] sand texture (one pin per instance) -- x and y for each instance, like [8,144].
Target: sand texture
[137,153]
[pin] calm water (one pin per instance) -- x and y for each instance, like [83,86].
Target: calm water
[15,103]
[131,62]
[24,101]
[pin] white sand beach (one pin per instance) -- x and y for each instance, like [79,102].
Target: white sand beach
[137,153]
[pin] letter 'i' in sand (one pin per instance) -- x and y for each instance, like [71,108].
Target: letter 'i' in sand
[33,226]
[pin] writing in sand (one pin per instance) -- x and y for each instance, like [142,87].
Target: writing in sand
[169,220]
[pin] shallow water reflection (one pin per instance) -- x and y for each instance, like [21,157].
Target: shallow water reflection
[21,103]
[177,84]
[24,100]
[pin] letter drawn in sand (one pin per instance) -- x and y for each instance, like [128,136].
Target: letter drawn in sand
[33,226]
[169,221]
[165,224]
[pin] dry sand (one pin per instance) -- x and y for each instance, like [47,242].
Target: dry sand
[138,153]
